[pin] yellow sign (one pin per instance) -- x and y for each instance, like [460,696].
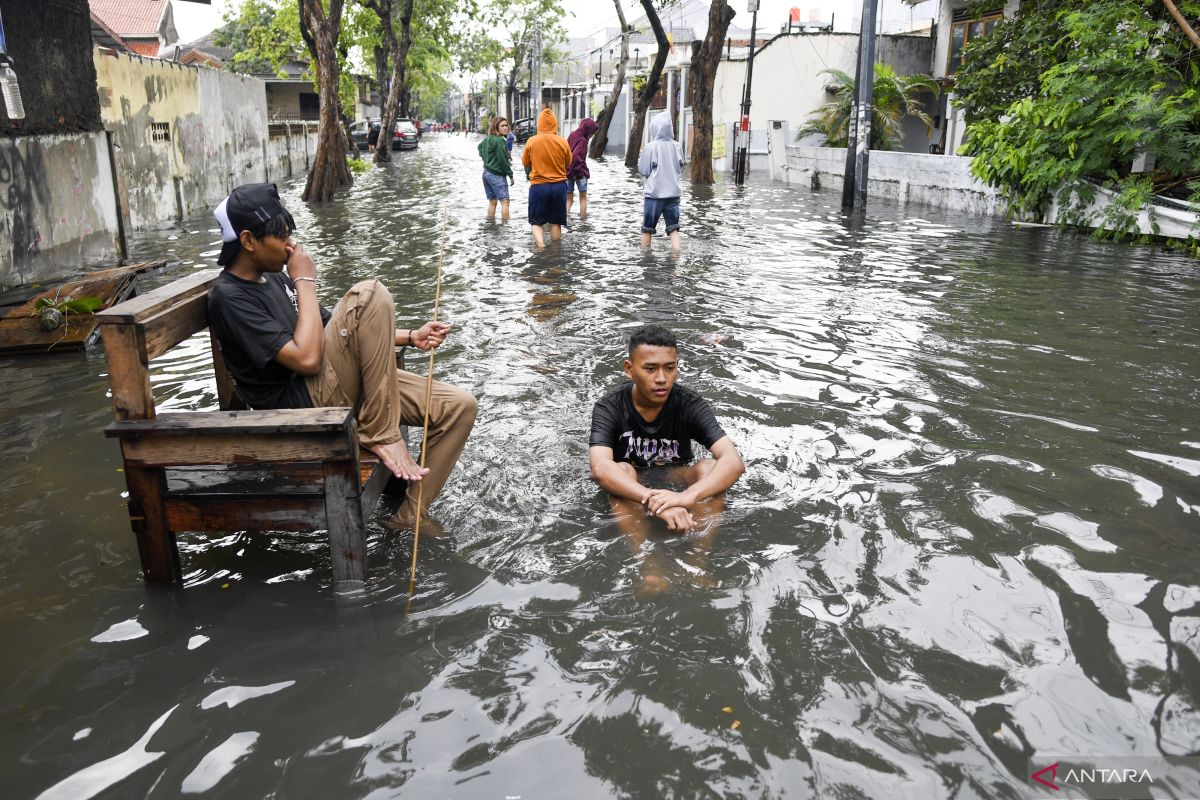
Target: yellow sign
[718,149]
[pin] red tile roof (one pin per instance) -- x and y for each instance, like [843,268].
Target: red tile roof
[130,17]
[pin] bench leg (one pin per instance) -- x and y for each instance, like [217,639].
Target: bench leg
[148,518]
[347,533]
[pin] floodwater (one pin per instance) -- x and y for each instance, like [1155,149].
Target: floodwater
[968,532]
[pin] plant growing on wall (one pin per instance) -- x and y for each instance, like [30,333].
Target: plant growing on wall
[1066,97]
[896,97]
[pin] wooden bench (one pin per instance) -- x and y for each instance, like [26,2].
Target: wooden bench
[232,469]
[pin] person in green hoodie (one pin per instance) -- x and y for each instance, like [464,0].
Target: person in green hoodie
[496,167]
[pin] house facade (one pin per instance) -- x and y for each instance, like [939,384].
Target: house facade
[144,26]
[956,26]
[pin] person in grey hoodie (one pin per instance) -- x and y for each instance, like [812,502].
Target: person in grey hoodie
[660,164]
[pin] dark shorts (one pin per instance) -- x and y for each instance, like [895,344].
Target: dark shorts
[495,186]
[655,207]
[577,184]
[548,203]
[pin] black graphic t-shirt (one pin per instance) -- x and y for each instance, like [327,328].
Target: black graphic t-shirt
[252,321]
[668,440]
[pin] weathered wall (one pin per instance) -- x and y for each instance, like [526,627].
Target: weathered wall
[51,45]
[59,207]
[290,148]
[186,135]
[941,181]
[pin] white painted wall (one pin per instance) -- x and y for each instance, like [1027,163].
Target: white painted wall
[932,180]
[789,86]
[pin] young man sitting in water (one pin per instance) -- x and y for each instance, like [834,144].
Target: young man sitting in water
[286,351]
[648,423]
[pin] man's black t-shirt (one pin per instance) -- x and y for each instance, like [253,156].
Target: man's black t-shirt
[668,440]
[253,321]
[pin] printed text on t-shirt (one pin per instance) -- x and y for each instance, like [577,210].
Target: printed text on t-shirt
[651,450]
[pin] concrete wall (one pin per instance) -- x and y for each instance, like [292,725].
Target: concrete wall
[212,133]
[933,180]
[59,208]
[788,85]
[290,149]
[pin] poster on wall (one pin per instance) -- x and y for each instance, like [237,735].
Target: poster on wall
[718,140]
[718,150]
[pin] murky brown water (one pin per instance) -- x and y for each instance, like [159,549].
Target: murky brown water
[969,531]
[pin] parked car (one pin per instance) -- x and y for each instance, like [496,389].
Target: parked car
[523,128]
[405,137]
[408,136]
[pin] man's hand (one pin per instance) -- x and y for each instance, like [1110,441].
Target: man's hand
[660,500]
[299,262]
[677,519]
[430,335]
[512,181]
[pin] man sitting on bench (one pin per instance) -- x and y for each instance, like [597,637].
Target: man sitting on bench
[286,351]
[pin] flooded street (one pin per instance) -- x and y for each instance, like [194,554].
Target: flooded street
[967,534]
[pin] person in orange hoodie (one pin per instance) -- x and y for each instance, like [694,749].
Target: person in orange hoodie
[547,157]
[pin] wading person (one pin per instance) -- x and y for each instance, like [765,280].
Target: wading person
[497,169]
[372,136]
[660,164]
[579,174]
[286,351]
[547,157]
[642,435]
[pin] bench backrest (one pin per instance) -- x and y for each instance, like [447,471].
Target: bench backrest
[143,328]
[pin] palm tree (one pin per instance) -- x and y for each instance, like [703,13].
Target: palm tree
[895,99]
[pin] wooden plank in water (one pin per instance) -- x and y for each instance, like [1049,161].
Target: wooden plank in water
[21,333]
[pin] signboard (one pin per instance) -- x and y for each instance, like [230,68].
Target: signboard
[718,150]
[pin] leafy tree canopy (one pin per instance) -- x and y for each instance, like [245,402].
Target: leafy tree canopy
[1065,96]
[895,98]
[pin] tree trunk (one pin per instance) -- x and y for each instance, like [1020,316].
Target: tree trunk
[600,140]
[705,59]
[330,171]
[646,96]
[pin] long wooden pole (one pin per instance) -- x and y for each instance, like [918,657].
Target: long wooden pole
[437,302]
[1188,30]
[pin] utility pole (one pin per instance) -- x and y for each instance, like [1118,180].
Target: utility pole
[741,157]
[858,146]
[535,74]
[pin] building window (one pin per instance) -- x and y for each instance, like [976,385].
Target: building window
[160,131]
[964,29]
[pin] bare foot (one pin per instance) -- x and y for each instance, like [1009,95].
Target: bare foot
[651,586]
[395,456]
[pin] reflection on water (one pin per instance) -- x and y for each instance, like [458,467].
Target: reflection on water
[966,535]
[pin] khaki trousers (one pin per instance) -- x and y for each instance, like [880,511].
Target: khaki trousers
[359,370]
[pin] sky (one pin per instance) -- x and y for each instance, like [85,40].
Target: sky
[585,17]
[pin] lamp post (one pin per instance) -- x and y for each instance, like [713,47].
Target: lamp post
[636,56]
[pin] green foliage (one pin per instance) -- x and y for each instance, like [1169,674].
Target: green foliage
[80,305]
[264,35]
[1064,97]
[895,98]
[357,165]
